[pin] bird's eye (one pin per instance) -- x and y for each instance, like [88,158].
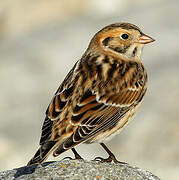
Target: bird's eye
[124,36]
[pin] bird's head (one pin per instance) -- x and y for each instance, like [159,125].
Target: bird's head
[121,39]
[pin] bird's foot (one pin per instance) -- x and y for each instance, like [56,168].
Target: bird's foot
[78,157]
[111,158]
[70,158]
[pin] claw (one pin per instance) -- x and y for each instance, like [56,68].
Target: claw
[67,158]
[98,159]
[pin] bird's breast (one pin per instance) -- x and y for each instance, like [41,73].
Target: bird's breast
[117,128]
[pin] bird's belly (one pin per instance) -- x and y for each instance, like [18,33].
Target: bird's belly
[109,134]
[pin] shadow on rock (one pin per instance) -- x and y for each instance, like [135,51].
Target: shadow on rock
[29,169]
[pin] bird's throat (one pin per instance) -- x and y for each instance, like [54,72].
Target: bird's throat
[131,52]
[134,51]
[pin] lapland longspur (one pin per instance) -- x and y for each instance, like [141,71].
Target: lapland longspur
[99,95]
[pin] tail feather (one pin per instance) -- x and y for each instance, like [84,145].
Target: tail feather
[42,153]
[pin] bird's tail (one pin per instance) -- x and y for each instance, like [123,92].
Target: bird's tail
[43,152]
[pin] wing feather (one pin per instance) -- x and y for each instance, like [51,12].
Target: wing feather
[57,105]
[94,120]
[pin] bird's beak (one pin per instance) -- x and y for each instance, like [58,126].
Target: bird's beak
[145,39]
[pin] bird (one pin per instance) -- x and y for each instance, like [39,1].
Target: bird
[99,95]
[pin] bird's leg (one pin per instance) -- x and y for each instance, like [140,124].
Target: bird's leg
[110,158]
[77,156]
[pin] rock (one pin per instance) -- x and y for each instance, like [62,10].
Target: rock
[78,169]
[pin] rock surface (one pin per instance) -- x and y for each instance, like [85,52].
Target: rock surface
[78,169]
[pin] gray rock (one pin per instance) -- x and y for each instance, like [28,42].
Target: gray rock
[78,169]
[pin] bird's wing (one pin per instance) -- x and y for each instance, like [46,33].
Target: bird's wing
[95,112]
[57,105]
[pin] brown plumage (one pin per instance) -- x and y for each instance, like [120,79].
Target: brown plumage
[99,95]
